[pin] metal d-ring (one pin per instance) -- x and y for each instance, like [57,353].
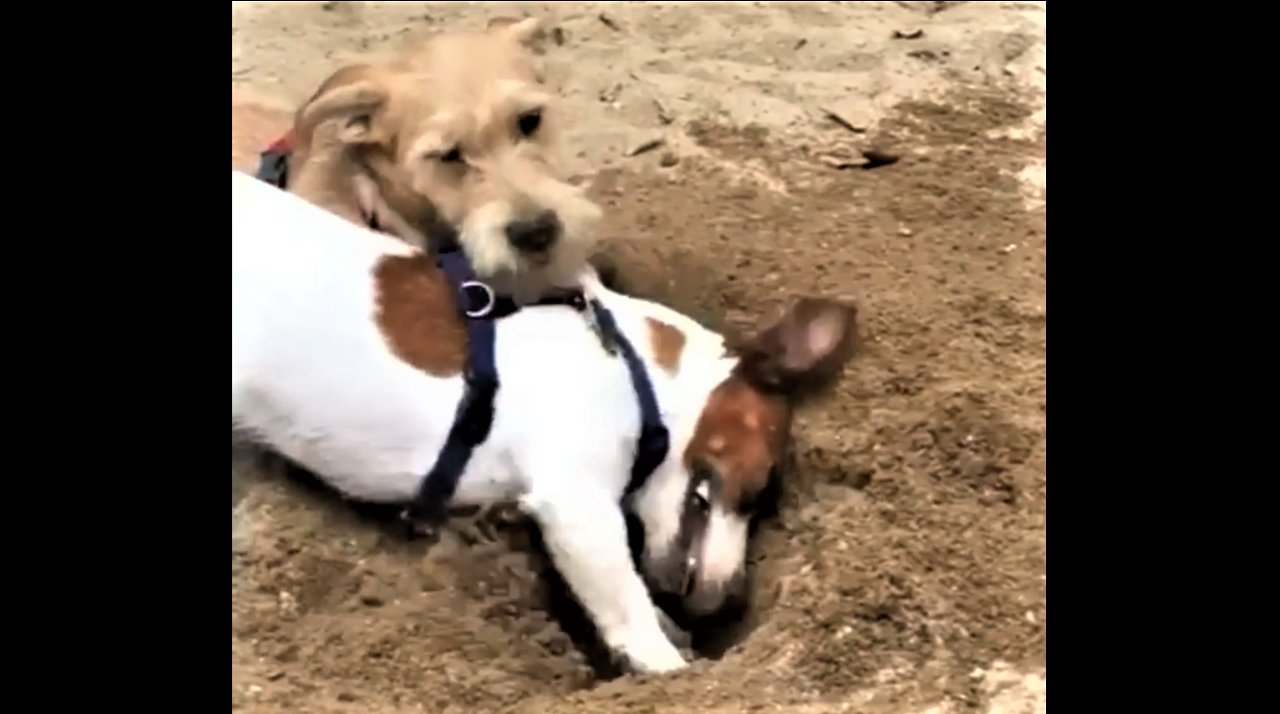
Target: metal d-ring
[489,297]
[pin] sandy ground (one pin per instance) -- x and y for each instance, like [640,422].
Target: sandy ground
[906,571]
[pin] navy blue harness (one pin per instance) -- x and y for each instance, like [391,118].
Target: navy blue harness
[480,307]
[273,164]
[474,417]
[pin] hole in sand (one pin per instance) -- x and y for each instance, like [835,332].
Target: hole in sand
[712,637]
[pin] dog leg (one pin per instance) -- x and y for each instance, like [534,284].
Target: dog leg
[586,537]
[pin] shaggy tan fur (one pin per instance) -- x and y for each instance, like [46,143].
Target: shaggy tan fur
[459,130]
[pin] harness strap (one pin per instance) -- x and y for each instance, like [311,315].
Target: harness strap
[474,417]
[504,306]
[273,166]
[655,440]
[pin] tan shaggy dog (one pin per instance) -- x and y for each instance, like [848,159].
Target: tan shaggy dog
[460,131]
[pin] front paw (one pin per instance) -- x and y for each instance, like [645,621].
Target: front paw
[652,656]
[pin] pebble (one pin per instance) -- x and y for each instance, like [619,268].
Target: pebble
[288,603]
[647,145]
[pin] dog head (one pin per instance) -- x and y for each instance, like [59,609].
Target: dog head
[697,512]
[462,131]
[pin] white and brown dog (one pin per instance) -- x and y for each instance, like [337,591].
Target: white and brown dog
[352,367]
[460,131]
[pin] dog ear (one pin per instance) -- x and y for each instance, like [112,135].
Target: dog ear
[520,30]
[353,94]
[811,342]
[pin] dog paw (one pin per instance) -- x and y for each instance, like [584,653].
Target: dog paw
[634,665]
[649,658]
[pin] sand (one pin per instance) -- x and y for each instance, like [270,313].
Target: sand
[906,571]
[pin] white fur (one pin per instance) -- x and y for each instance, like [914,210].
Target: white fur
[313,378]
[526,190]
[719,559]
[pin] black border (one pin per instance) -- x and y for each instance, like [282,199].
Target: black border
[135,235]
[136,558]
[1127,517]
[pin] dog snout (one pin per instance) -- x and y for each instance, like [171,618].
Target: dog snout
[707,599]
[536,234]
[667,574]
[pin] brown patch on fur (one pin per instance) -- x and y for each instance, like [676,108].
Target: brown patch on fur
[668,344]
[743,430]
[741,435]
[417,314]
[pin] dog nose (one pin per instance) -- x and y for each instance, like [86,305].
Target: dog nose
[535,234]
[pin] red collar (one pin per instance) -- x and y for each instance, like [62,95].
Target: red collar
[283,145]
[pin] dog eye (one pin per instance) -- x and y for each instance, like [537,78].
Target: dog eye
[452,156]
[529,122]
[701,496]
[700,502]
